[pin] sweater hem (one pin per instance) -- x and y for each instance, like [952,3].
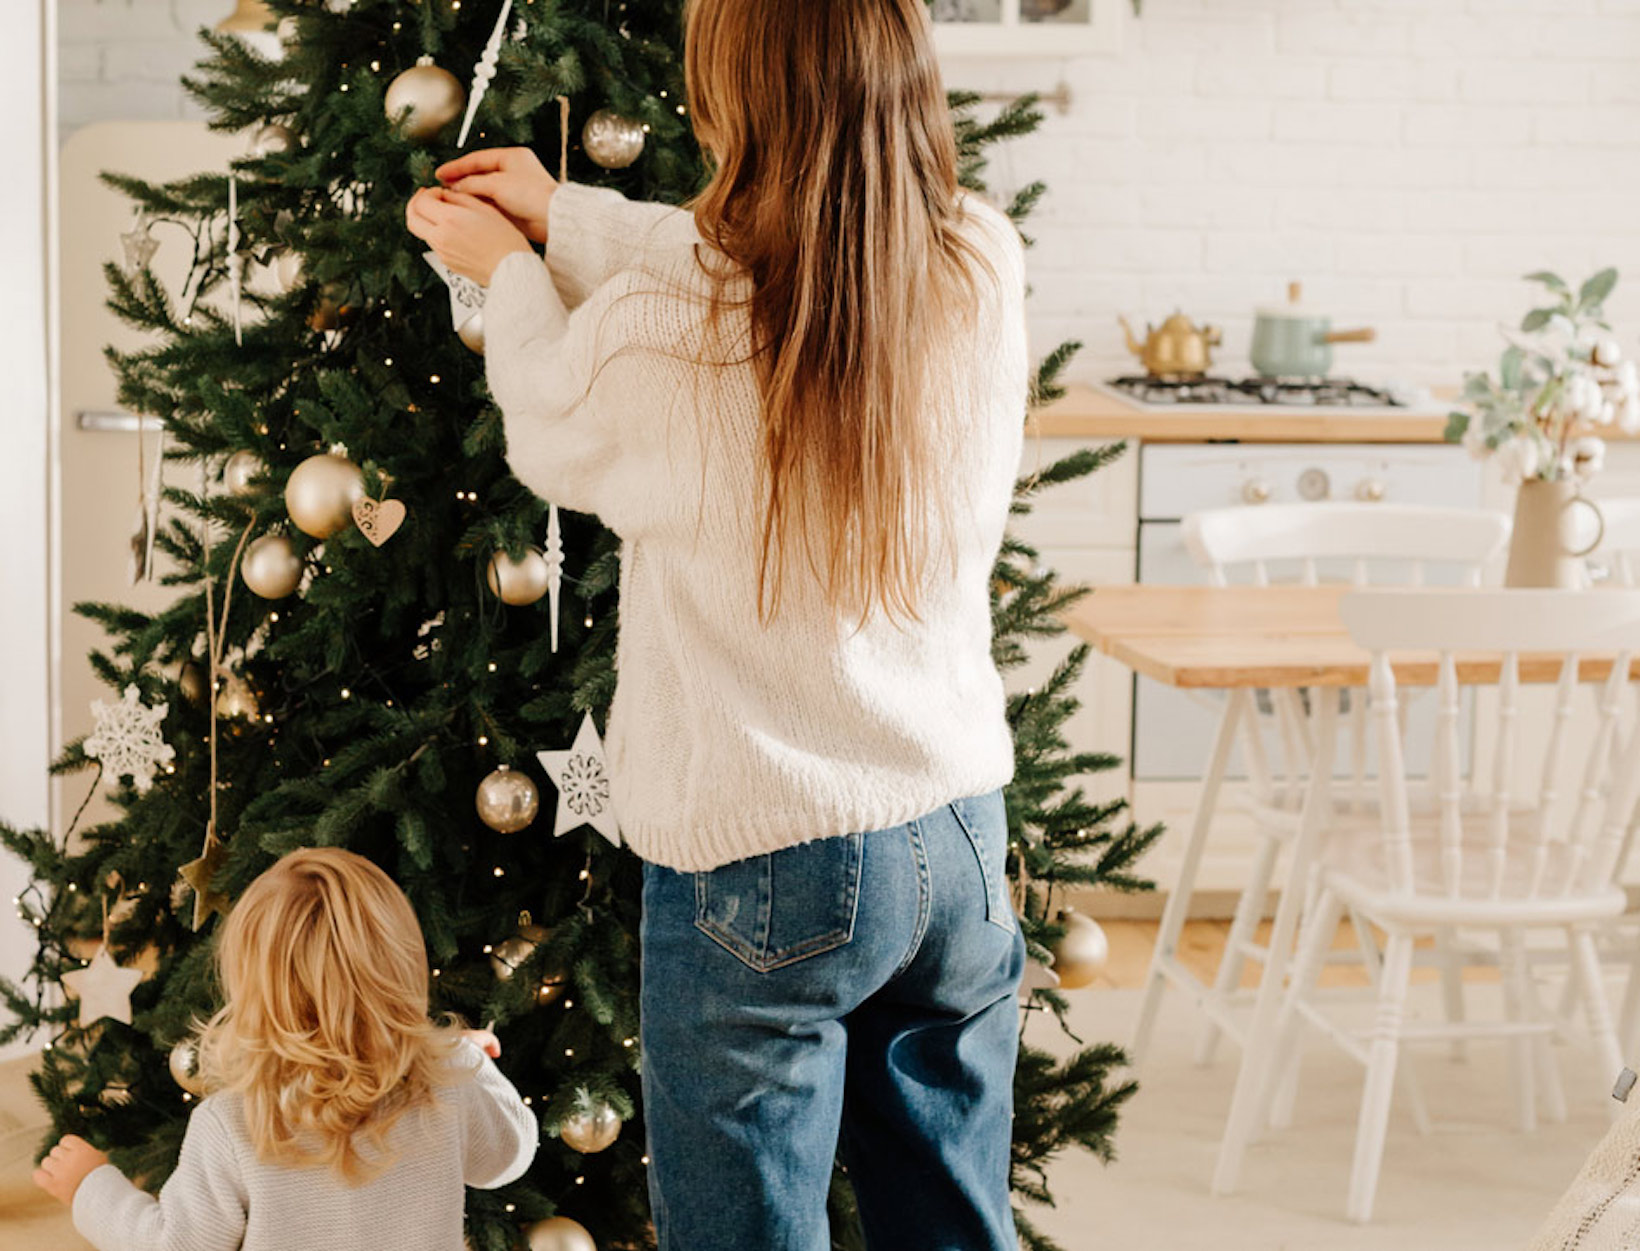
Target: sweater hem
[702,847]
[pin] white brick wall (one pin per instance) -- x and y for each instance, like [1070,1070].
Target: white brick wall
[1407,159]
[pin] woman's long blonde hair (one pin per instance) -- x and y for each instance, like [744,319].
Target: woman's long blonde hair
[835,188]
[325,1031]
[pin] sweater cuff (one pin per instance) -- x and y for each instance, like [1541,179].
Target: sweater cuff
[100,1193]
[521,304]
[571,214]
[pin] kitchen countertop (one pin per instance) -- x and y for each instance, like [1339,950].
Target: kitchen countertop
[1088,412]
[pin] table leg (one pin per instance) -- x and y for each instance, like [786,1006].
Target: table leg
[1253,1080]
[1178,902]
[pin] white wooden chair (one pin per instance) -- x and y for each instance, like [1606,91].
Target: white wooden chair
[1307,543]
[1527,857]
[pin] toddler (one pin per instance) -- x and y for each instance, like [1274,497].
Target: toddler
[339,1115]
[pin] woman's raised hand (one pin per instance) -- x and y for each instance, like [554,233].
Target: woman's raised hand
[512,179]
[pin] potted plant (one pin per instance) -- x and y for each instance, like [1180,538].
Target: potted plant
[1562,378]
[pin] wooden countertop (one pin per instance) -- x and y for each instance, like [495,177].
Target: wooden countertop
[1089,413]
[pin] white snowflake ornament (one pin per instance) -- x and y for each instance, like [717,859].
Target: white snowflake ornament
[128,739]
[582,778]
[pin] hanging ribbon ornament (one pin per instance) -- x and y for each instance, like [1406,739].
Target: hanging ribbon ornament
[236,262]
[484,71]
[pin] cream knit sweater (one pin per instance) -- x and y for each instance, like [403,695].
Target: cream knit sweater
[729,738]
[222,1198]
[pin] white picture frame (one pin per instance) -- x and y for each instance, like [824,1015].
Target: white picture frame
[1058,28]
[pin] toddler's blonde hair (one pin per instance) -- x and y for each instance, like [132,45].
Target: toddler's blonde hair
[325,1031]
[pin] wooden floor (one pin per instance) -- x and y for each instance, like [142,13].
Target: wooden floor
[30,1221]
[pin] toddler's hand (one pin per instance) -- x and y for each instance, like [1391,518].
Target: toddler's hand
[61,1172]
[485,1041]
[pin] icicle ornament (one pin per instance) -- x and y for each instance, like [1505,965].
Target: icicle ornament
[484,71]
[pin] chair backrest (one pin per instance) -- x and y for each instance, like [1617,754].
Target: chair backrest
[1254,536]
[1527,840]
[1619,548]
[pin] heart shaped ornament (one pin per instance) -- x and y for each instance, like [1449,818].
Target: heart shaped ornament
[378,520]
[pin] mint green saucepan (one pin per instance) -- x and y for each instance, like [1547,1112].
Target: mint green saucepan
[1289,342]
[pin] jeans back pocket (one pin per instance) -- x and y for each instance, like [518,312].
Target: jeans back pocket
[785,906]
[984,819]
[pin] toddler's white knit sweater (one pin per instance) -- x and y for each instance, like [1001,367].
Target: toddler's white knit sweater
[730,738]
[222,1198]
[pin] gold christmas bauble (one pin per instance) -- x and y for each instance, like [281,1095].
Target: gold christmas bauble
[1080,955]
[321,493]
[191,682]
[184,1065]
[507,955]
[239,472]
[471,333]
[507,801]
[611,140]
[518,582]
[433,96]
[236,701]
[559,1233]
[591,1130]
[333,311]
[272,138]
[248,16]
[271,567]
[116,1094]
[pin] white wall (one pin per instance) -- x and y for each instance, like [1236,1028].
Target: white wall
[24,558]
[1408,159]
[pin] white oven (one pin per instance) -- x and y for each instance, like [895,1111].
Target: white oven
[1172,732]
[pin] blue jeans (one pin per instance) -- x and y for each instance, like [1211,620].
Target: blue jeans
[861,987]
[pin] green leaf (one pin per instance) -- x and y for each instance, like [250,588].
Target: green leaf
[1537,319]
[1594,292]
[1456,426]
[1511,368]
[1554,282]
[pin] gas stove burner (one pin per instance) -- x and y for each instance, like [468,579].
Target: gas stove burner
[1293,392]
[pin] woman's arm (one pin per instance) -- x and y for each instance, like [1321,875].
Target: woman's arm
[201,1208]
[547,371]
[594,233]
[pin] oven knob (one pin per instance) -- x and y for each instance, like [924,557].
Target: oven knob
[1370,490]
[1255,491]
[1313,485]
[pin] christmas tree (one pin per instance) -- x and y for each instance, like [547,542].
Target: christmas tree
[378,630]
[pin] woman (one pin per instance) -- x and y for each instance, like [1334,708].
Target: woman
[799,403]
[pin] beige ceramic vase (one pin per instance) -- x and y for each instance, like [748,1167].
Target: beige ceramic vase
[1555,528]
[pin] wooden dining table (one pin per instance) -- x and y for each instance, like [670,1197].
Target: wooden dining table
[1240,641]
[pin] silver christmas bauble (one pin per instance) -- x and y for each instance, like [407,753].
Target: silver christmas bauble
[321,492]
[240,470]
[507,801]
[184,1064]
[611,140]
[471,332]
[1080,955]
[519,582]
[558,1233]
[236,701]
[433,96]
[592,1130]
[272,138]
[271,567]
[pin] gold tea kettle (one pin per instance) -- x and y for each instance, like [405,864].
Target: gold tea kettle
[1178,348]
